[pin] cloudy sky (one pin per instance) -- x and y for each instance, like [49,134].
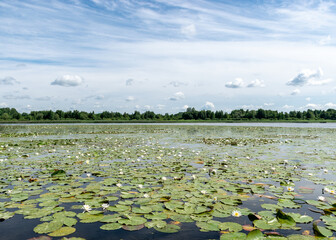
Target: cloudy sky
[126,55]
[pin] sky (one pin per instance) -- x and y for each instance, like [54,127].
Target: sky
[165,56]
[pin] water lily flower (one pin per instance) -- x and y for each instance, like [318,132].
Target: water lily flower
[9,191]
[105,205]
[325,170]
[119,185]
[146,195]
[236,213]
[121,173]
[290,189]
[87,161]
[273,168]
[86,208]
[214,171]
[140,186]
[203,192]
[332,191]
[19,179]
[193,176]
[266,172]
[285,161]
[326,189]
[321,198]
[88,174]
[164,178]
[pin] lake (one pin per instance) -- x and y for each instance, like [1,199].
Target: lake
[167,181]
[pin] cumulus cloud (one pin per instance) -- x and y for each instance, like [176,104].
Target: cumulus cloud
[256,83]
[8,81]
[287,106]
[3,105]
[237,83]
[295,92]
[17,97]
[308,99]
[268,104]
[208,106]
[177,96]
[68,81]
[185,107]
[130,99]
[129,82]
[330,105]
[313,106]
[309,77]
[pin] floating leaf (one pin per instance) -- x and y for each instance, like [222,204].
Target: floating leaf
[63,231]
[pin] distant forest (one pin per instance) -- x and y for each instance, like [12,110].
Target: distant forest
[11,114]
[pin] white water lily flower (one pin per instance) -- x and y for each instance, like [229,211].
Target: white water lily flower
[19,179]
[290,189]
[285,161]
[193,176]
[88,174]
[121,173]
[9,191]
[140,186]
[87,161]
[86,208]
[214,171]
[105,205]
[266,172]
[326,189]
[164,178]
[203,192]
[273,168]
[146,195]
[332,191]
[321,198]
[310,174]
[119,185]
[325,170]
[236,213]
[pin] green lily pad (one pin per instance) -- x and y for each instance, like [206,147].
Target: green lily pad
[63,231]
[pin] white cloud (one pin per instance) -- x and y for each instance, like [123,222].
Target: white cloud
[237,83]
[188,30]
[147,107]
[287,106]
[177,96]
[68,81]
[256,83]
[185,107]
[330,105]
[208,106]
[130,99]
[326,40]
[160,106]
[8,81]
[268,104]
[308,99]
[295,92]
[309,77]
[3,105]
[313,106]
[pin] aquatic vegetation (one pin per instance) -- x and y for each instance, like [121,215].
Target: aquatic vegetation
[227,182]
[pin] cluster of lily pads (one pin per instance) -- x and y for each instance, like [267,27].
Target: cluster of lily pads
[275,183]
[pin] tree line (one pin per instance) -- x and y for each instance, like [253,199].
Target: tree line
[11,114]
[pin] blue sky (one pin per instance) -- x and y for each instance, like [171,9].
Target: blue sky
[126,55]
